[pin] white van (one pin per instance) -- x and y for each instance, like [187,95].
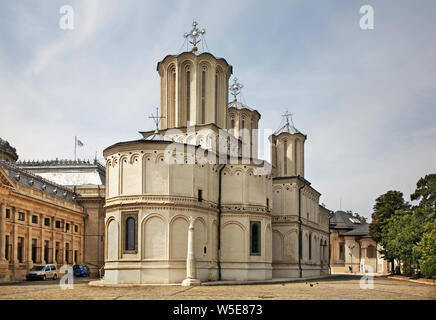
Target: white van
[42,271]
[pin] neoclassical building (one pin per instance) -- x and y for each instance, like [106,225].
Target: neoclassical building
[40,221]
[252,220]
[50,212]
[352,248]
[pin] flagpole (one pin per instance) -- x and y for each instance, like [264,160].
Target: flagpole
[75,146]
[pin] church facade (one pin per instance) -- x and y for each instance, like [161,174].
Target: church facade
[253,220]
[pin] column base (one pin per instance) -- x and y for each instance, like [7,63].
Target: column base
[191,282]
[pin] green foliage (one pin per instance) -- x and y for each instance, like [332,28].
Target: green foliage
[386,206]
[425,192]
[408,233]
[402,232]
[426,250]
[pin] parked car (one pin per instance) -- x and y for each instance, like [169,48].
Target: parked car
[43,272]
[81,270]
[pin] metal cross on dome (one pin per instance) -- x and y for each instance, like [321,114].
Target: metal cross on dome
[236,87]
[195,35]
[156,119]
[288,115]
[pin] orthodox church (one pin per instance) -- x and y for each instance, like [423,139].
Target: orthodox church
[191,199]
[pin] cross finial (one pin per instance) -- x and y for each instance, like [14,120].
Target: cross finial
[235,88]
[156,119]
[288,115]
[195,35]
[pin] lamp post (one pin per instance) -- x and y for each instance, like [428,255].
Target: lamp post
[351,247]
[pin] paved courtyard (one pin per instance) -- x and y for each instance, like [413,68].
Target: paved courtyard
[336,287]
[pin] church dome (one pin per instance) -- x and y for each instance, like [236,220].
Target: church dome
[7,152]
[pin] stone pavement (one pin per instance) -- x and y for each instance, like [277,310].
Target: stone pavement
[335,287]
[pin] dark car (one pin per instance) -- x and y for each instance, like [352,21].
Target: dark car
[81,270]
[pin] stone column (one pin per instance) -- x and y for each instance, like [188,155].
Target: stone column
[2,231]
[41,251]
[29,240]
[14,237]
[191,271]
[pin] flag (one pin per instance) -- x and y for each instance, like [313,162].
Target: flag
[79,143]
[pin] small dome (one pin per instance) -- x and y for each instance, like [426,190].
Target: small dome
[287,128]
[7,152]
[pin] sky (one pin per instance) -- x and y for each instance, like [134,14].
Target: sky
[364,98]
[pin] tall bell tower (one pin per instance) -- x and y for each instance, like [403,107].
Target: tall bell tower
[287,154]
[193,86]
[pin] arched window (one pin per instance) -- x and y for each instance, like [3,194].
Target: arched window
[130,234]
[232,124]
[255,238]
[203,96]
[172,98]
[310,246]
[188,96]
[216,97]
[285,158]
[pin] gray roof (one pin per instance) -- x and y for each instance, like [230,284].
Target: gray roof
[68,172]
[239,105]
[7,148]
[345,220]
[156,136]
[362,231]
[287,128]
[28,179]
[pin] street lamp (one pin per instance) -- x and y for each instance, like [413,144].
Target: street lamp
[351,247]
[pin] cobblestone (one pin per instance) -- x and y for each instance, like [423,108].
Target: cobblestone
[335,287]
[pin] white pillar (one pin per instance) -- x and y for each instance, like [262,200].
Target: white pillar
[191,271]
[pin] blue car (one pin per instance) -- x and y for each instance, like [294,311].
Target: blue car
[81,270]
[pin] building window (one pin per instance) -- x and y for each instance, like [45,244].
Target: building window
[7,247]
[188,95]
[267,204]
[68,226]
[47,222]
[57,252]
[34,250]
[310,246]
[58,224]
[341,251]
[67,252]
[203,97]
[371,252]
[8,213]
[76,228]
[46,251]
[243,124]
[255,238]
[34,219]
[21,216]
[20,249]
[75,256]
[232,124]
[130,227]
[200,195]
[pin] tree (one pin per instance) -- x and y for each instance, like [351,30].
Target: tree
[401,234]
[425,192]
[426,250]
[385,207]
